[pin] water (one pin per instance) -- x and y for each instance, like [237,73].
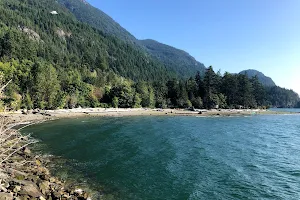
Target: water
[294,110]
[165,157]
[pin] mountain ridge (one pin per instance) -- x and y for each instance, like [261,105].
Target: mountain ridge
[185,64]
[265,80]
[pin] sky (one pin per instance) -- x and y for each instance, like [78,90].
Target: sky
[230,35]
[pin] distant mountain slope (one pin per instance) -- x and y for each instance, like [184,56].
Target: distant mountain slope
[174,59]
[178,60]
[86,13]
[265,80]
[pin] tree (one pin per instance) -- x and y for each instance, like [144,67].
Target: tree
[146,94]
[245,92]
[160,93]
[210,84]
[47,86]
[259,91]
[229,88]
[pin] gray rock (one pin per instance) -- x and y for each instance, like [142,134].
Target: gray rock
[44,187]
[6,196]
[27,150]
[30,190]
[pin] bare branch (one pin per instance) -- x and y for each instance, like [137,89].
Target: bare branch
[10,155]
[3,87]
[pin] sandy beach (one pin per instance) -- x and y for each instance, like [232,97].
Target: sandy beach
[44,115]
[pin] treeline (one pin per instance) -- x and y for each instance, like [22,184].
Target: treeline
[41,85]
[55,61]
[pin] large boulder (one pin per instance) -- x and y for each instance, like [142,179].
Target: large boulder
[30,189]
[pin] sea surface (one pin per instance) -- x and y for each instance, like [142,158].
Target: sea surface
[293,110]
[256,157]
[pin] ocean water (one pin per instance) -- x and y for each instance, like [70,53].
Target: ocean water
[294,110]
[165,157]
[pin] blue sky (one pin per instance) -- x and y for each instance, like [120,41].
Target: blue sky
[230,35]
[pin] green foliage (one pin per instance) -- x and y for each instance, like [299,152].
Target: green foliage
[46,86]
[115,102]
[282,98]
[211,85]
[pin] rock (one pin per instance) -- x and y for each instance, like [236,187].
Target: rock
[52,180]
[17,189]
[27,151]
[78,191]
[42,198]
[38,162]
[56,195]
[44,187]
[31,33]
[5,184]
[33,178]
[6,196]
[2,189]
[86,196]
[3,176]
[22,197]
[30,190]
[16,173]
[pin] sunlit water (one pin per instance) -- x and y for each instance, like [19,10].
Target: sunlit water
[293,110]
[255,157]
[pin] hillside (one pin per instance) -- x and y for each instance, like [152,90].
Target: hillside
[86,13]
[178,60]
[266,81]
[174,59]
[54,60]
[61,39]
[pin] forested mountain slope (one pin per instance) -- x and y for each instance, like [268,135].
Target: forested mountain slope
[176,59]
[61,39]
[98,19]
[55,59]
[266,81]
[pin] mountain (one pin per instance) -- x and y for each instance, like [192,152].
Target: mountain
[86,13]
[174,59]
[265,80]
[178,60]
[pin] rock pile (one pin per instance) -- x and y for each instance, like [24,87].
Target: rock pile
[34,181]
[23,176]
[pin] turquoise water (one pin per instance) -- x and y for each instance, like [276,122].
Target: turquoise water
[166,157]
[295,110]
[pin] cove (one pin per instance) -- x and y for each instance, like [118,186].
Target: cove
[162,157]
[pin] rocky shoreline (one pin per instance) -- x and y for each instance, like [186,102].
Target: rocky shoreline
[45,115]
[24,175]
